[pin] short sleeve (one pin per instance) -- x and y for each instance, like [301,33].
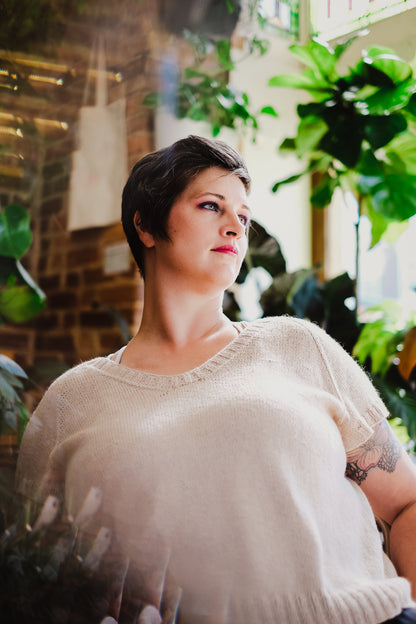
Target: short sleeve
[351,384]
[39,469]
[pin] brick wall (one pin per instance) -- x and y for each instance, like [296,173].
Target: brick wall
[84,292]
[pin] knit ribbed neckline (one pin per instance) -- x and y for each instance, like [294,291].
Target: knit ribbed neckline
[133,376]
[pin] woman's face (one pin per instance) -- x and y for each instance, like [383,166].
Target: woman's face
[207,227]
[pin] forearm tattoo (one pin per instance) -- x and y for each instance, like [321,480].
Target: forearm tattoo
[382,451]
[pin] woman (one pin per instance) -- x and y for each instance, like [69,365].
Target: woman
[238,465]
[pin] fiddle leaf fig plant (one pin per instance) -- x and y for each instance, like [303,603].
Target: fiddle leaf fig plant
[358,130]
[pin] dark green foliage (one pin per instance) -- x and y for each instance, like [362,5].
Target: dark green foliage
[36,585]
[399,398]
[263,251]
[299,293]
[23,23]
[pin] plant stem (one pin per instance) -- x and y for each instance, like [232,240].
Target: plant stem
[357,254]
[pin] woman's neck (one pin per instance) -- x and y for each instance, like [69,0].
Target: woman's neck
[181,318]
[178,333]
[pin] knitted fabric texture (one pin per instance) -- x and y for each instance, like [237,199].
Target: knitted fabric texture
[230,476]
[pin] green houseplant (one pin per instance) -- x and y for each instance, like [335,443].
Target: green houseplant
[358,133]
[20,300]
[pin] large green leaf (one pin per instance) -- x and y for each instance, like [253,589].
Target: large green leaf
[263,251]
[340,321]
[411,106]
[322,194]
[15,234]
[20,303]
[223,49]
[400,402]
[403,146]
[305,296]
[6,389]
[11,366]
[393,195]
[288,145]
[319,88]
[319,56]
[386,61]
[13,380]
[379,223]
[368,74]
[288,180]
[381,130]
[378,340]
[389,99]
[343,141]
[7,268]
[310,132]
[10,418]
[312,109]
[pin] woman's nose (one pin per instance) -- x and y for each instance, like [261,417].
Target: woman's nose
[233,227]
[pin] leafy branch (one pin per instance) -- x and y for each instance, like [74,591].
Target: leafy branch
[203,92]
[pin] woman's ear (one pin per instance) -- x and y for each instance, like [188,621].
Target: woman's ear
[145,237]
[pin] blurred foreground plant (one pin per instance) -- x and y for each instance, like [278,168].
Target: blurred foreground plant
[56,569]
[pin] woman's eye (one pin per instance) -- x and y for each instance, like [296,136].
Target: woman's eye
[244,220]
[209,206]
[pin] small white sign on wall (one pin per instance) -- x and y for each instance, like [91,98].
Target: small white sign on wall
[117,258]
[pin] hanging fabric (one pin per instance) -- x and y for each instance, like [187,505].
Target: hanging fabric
[99,165]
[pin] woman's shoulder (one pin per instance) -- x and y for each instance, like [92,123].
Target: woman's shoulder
[80,374]
[287,326]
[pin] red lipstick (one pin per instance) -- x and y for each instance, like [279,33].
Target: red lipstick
[227,249]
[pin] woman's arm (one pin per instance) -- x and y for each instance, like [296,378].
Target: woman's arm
[387,477]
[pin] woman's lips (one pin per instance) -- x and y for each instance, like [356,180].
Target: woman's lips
[227,249]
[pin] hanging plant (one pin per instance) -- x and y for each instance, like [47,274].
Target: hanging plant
[202,91]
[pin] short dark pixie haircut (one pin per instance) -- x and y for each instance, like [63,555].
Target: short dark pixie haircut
[158,179]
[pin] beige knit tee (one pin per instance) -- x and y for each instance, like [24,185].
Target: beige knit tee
[230,476]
